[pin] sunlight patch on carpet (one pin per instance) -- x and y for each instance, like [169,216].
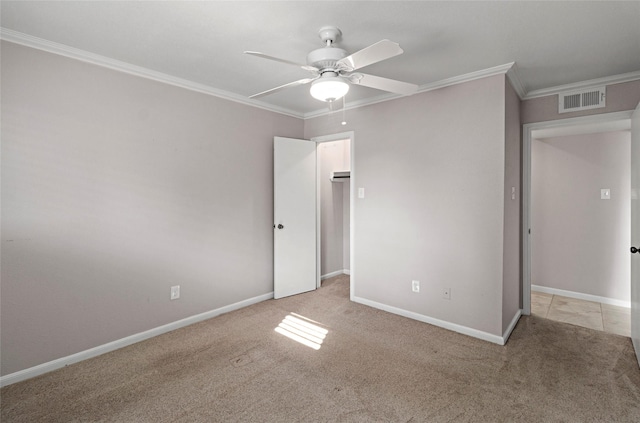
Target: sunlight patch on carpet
[300,329]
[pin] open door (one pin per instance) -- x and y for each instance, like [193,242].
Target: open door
[635,231]
[294,198]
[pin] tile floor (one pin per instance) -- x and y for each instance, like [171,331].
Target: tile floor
[604,317]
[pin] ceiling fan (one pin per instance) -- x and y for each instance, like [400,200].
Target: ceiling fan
[332,68]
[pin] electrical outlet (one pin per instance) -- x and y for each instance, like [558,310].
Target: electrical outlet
[446,293]
[175,292]
[415,286]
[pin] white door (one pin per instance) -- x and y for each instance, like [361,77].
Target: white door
[294,212]
[635,231]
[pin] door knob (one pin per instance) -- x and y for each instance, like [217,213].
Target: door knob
[280,226]
[634,250]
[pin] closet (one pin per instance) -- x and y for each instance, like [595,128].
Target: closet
[334,158]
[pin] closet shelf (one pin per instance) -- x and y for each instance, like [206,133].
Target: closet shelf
[340,175]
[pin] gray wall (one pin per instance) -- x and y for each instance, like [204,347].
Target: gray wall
[115,188]
[433,169]
[579,242]
[620,97]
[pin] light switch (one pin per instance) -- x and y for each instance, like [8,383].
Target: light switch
[513,193]
[360,192]
[605,194]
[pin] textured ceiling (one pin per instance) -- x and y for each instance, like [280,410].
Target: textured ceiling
[552,43]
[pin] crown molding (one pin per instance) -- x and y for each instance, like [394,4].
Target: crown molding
[592,83]
[467,77]
[516,82]
[117,65]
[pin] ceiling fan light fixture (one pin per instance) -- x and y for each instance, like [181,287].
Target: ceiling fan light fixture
[329,89]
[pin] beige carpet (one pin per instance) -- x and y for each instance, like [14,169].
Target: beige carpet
[371,367]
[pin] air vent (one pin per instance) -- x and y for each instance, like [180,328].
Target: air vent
[574,101]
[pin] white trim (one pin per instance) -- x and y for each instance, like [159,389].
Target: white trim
[623,124]
[129,340]
[527,136]
[512,326]
[636,346]
[526,221]
[332,274]
[318,218]
[581,296]
[485,336]
[352,217]
[351,136]
[117,65]
[346,271]
[516,82]
[467,77]
[333,137]
[578,121]
[592,83]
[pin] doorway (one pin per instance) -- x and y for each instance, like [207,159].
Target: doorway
[335,212]
[576,126]
[297,213]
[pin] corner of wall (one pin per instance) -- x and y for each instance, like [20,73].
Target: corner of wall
[512,261]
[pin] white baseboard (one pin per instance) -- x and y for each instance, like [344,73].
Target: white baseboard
[129,340]
[332,274]
[512,325]
[581,296]
[346,271]
[636,346]
[496,339]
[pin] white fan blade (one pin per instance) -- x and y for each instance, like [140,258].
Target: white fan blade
[277,59]
[285,86]
[385,84]
[377,52]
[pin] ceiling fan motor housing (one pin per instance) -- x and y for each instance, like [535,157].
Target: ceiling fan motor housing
[326,58]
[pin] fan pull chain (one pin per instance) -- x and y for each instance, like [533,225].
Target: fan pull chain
[344,112]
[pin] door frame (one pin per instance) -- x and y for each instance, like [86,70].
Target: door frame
[588,124]
[349,135]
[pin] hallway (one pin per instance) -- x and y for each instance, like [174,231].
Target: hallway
[588,314]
